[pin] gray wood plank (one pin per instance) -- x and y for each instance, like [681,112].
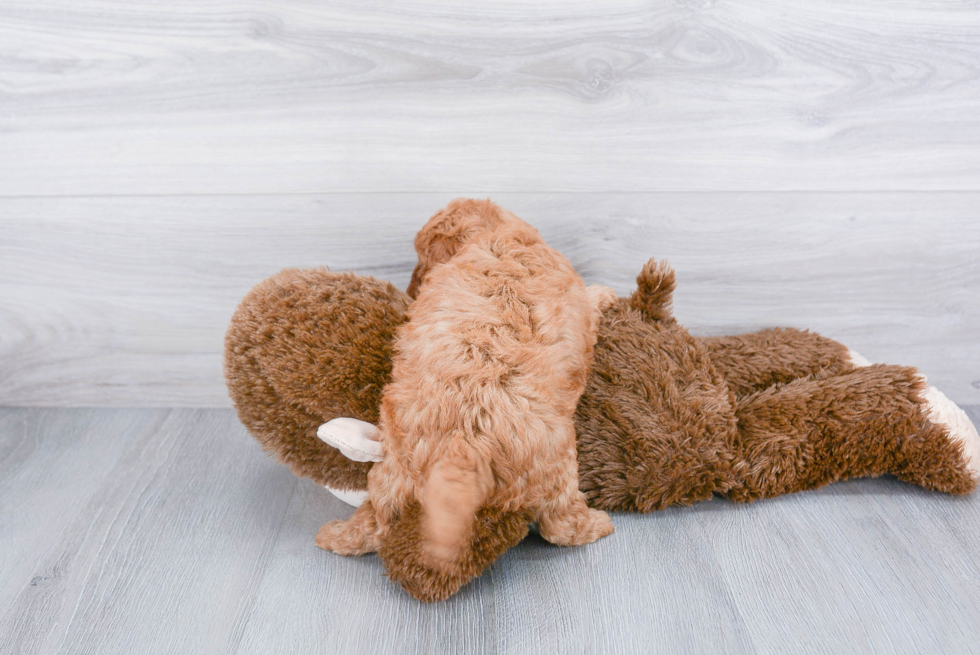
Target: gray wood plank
[346,605]
[162,556]
[295,97]
[846,567]
[124,301]
[654,588]
[51,465]
[170,531]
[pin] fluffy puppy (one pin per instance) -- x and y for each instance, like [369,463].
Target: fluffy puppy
[486,376]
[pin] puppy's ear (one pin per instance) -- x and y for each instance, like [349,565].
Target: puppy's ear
[448,231]
[455,488]
[403,554]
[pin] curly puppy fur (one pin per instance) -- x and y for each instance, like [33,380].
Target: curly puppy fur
[486,377]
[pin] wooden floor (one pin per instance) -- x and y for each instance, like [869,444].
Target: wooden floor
[169,531]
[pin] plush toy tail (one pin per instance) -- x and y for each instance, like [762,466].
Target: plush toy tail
[654,289]
[456,487]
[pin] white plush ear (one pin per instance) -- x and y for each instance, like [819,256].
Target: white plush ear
[357,440]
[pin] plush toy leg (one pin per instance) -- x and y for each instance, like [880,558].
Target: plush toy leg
[871,421]
[753,362]
[357,535]
[943,411]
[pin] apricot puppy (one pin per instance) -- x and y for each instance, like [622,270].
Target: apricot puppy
[486,376]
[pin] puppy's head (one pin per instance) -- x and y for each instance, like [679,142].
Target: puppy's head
[448,231]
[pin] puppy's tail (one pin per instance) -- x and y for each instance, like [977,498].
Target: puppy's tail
[456,487]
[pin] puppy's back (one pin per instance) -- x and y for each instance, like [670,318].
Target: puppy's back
[495,353]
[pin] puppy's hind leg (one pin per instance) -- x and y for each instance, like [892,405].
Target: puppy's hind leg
[564,518]
[357,535]
[573,523]
[602,297]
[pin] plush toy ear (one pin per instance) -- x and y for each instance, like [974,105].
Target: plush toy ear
[358,441]
[654,290]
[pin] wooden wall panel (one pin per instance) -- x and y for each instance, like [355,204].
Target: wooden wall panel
[185,97]
[124,300]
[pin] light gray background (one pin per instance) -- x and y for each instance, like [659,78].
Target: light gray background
[808,163]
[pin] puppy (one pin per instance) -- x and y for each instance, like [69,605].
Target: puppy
[486,376]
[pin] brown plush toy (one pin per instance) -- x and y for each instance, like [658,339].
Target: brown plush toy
[666,418]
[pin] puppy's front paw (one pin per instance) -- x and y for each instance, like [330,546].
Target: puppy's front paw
[338,537]
[328,537]
[596,525]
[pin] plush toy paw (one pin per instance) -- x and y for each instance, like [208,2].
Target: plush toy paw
[943,411]
[857,359]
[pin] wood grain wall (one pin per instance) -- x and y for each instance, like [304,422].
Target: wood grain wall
[813,164]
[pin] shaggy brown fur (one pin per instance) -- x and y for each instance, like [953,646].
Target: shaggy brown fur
[487,374]
[867,422]
[665,417]
[305,347]
[753,362]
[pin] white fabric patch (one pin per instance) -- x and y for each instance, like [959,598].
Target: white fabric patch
[357,440]
[944,411]
[354,498]
[857,360]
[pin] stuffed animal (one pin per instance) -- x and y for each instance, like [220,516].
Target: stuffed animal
[666,418]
